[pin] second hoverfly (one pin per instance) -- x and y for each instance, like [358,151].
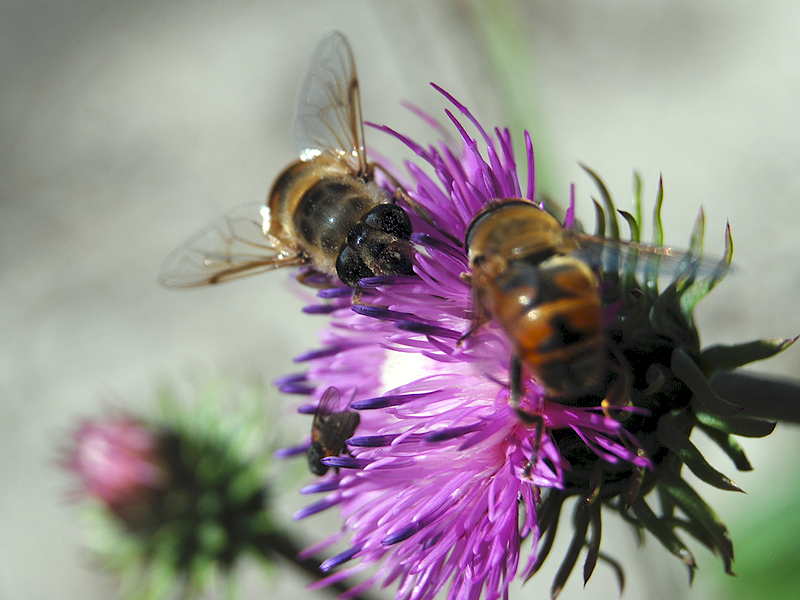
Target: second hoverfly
[324,210]
[330,431]
[539,282]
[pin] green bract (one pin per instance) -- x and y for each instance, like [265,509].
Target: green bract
[655,338]
[210,511]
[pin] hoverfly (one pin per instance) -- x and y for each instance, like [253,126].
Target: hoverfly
[324,209]
[537,281]
[330,431]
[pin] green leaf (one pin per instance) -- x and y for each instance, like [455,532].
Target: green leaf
[593,543]
[700,289]
[698,510]
[730,446]
[698,232]
[548,517]
[600,220]
[637,200]
[629,268]
[658,228]
[651,270]
[726,358]
[634,485]
[632,224]
[617,568]
[677,441]
[736,425]
[693,529]
[607,202]
[687,371]
[581,524]
[663,534]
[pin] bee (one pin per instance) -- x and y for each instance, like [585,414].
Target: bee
[330,431]
[324,210]
[538,282]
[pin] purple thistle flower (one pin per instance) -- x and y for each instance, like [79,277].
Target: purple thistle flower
[441,483]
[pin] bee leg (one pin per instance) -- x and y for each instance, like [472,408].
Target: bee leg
[392,179]
[538,423]
[477,322]
[479,316]
[400,194]
[533,420]
[314,279]
[515,377]
[314,454]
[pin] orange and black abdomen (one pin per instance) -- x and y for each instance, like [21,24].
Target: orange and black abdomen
[551,312]
[526,277]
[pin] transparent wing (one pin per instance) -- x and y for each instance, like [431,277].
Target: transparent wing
[613,255]
[328,404]
[339,428]
[328,114]
[233,246]
[332,428]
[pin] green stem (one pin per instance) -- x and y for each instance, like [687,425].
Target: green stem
[761,396]
[280,544]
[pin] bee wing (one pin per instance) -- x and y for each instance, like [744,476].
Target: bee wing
[328,114]
[233,246]
[612,255]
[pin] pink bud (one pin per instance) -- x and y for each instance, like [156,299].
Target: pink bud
[118,462]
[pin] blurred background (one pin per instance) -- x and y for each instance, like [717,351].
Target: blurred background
[126,126]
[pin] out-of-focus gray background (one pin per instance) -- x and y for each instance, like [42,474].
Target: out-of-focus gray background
[125,126]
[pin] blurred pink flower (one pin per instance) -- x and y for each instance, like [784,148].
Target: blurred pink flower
[118,462]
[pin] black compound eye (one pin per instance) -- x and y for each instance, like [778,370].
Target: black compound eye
[360,234]
[390,219]
[351,268]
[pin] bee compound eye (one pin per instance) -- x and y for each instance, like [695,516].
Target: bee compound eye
[390,219]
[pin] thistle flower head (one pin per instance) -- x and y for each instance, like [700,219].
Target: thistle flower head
[178,499]
[448,475]
[118,464]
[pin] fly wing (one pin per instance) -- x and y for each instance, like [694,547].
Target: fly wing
[235,245]
[328,404]
[613,255]
[340,428]
[332,427]
[328,114]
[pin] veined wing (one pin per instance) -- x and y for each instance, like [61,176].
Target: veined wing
[328,404]
[613,255]
[328,114]
[235,245]
[332,428]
